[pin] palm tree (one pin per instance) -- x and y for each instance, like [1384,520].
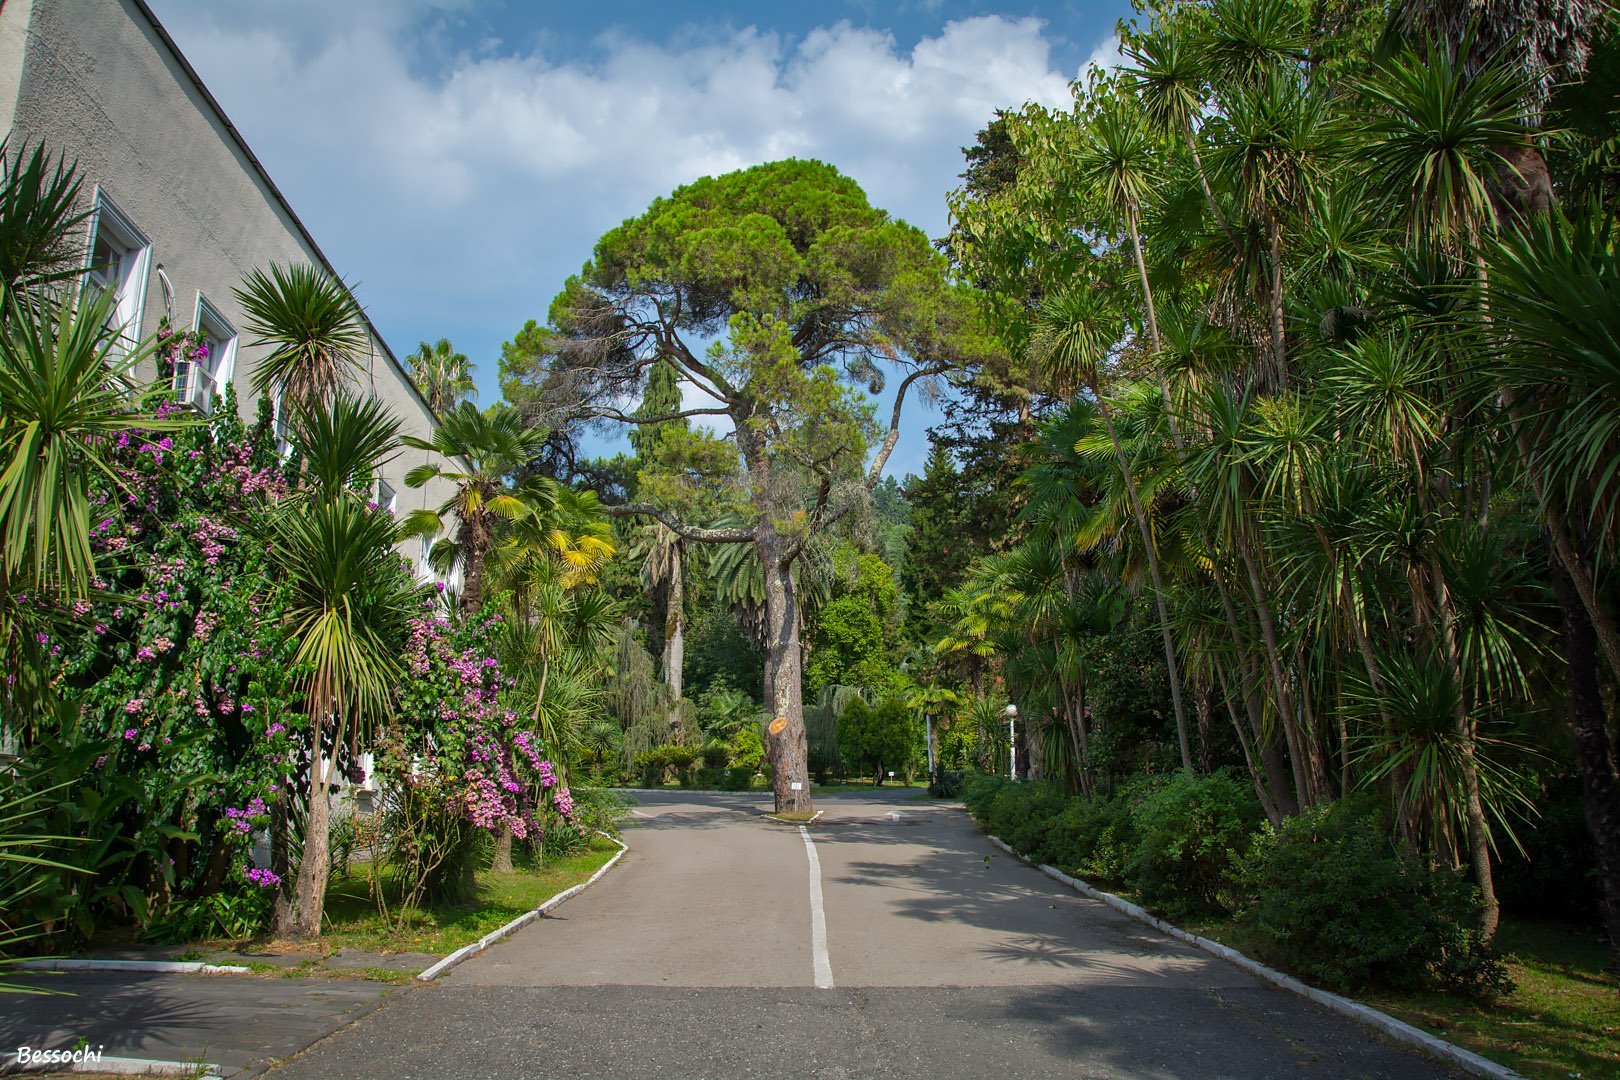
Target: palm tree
[1277,154]
[1077,330]
[491,448]
[545,563]
[1168,83]
[350,602]
[313,326]
[1556,302]
[443,375]
[1116,162]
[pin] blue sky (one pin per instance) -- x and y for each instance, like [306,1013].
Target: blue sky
[458,159]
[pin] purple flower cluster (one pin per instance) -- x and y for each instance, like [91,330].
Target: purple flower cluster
[262,877]
[243,820]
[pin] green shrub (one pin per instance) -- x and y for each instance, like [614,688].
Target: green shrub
[716,754]
[1190,832]
[1095,838]
[1332,897]
[747,748]
[653,766]
[1029,816]
[946,784]
[735,778]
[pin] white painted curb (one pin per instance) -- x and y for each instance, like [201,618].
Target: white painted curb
[121,1066]
[1365,1015]
[467,952]
[166,967]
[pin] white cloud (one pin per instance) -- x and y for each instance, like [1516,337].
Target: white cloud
[1105,54]
[462,188]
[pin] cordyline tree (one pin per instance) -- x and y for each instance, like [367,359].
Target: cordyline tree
[781,293]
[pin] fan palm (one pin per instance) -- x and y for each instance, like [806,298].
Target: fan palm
[313,326]
[491,449]
[443,375]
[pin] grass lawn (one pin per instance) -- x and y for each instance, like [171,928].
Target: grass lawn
[1563,1021]
[865,787]
[354,923]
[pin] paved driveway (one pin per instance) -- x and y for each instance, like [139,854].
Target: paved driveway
[716,950]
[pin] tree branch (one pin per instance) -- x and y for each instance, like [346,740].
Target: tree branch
[603,412]
[875,473]
[680,528]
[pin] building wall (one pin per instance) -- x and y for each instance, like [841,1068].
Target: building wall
[100,84]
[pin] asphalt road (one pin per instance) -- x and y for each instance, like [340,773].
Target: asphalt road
[700,956]
[232,1021]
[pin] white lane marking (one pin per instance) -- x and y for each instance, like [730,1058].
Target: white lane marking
[638,813]
[818,917]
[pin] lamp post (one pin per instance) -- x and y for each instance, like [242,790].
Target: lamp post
[1011,713]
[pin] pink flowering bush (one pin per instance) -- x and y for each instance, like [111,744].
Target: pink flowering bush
[181,674]
[458,743]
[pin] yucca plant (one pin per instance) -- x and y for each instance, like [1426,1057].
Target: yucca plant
[67,394]
[22,854]
[39,215]
[350,601]
[313,326]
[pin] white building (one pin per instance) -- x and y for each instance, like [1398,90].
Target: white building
[180,208]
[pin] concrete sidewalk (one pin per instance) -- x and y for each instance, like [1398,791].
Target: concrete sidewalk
[238,1022]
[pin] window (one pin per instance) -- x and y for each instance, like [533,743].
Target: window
[424,564]
[387,498]
[282,424]
[119,257]
[201,382]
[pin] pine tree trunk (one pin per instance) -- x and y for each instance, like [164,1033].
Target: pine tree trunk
[1594,755]
[674,627]
[786,745]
